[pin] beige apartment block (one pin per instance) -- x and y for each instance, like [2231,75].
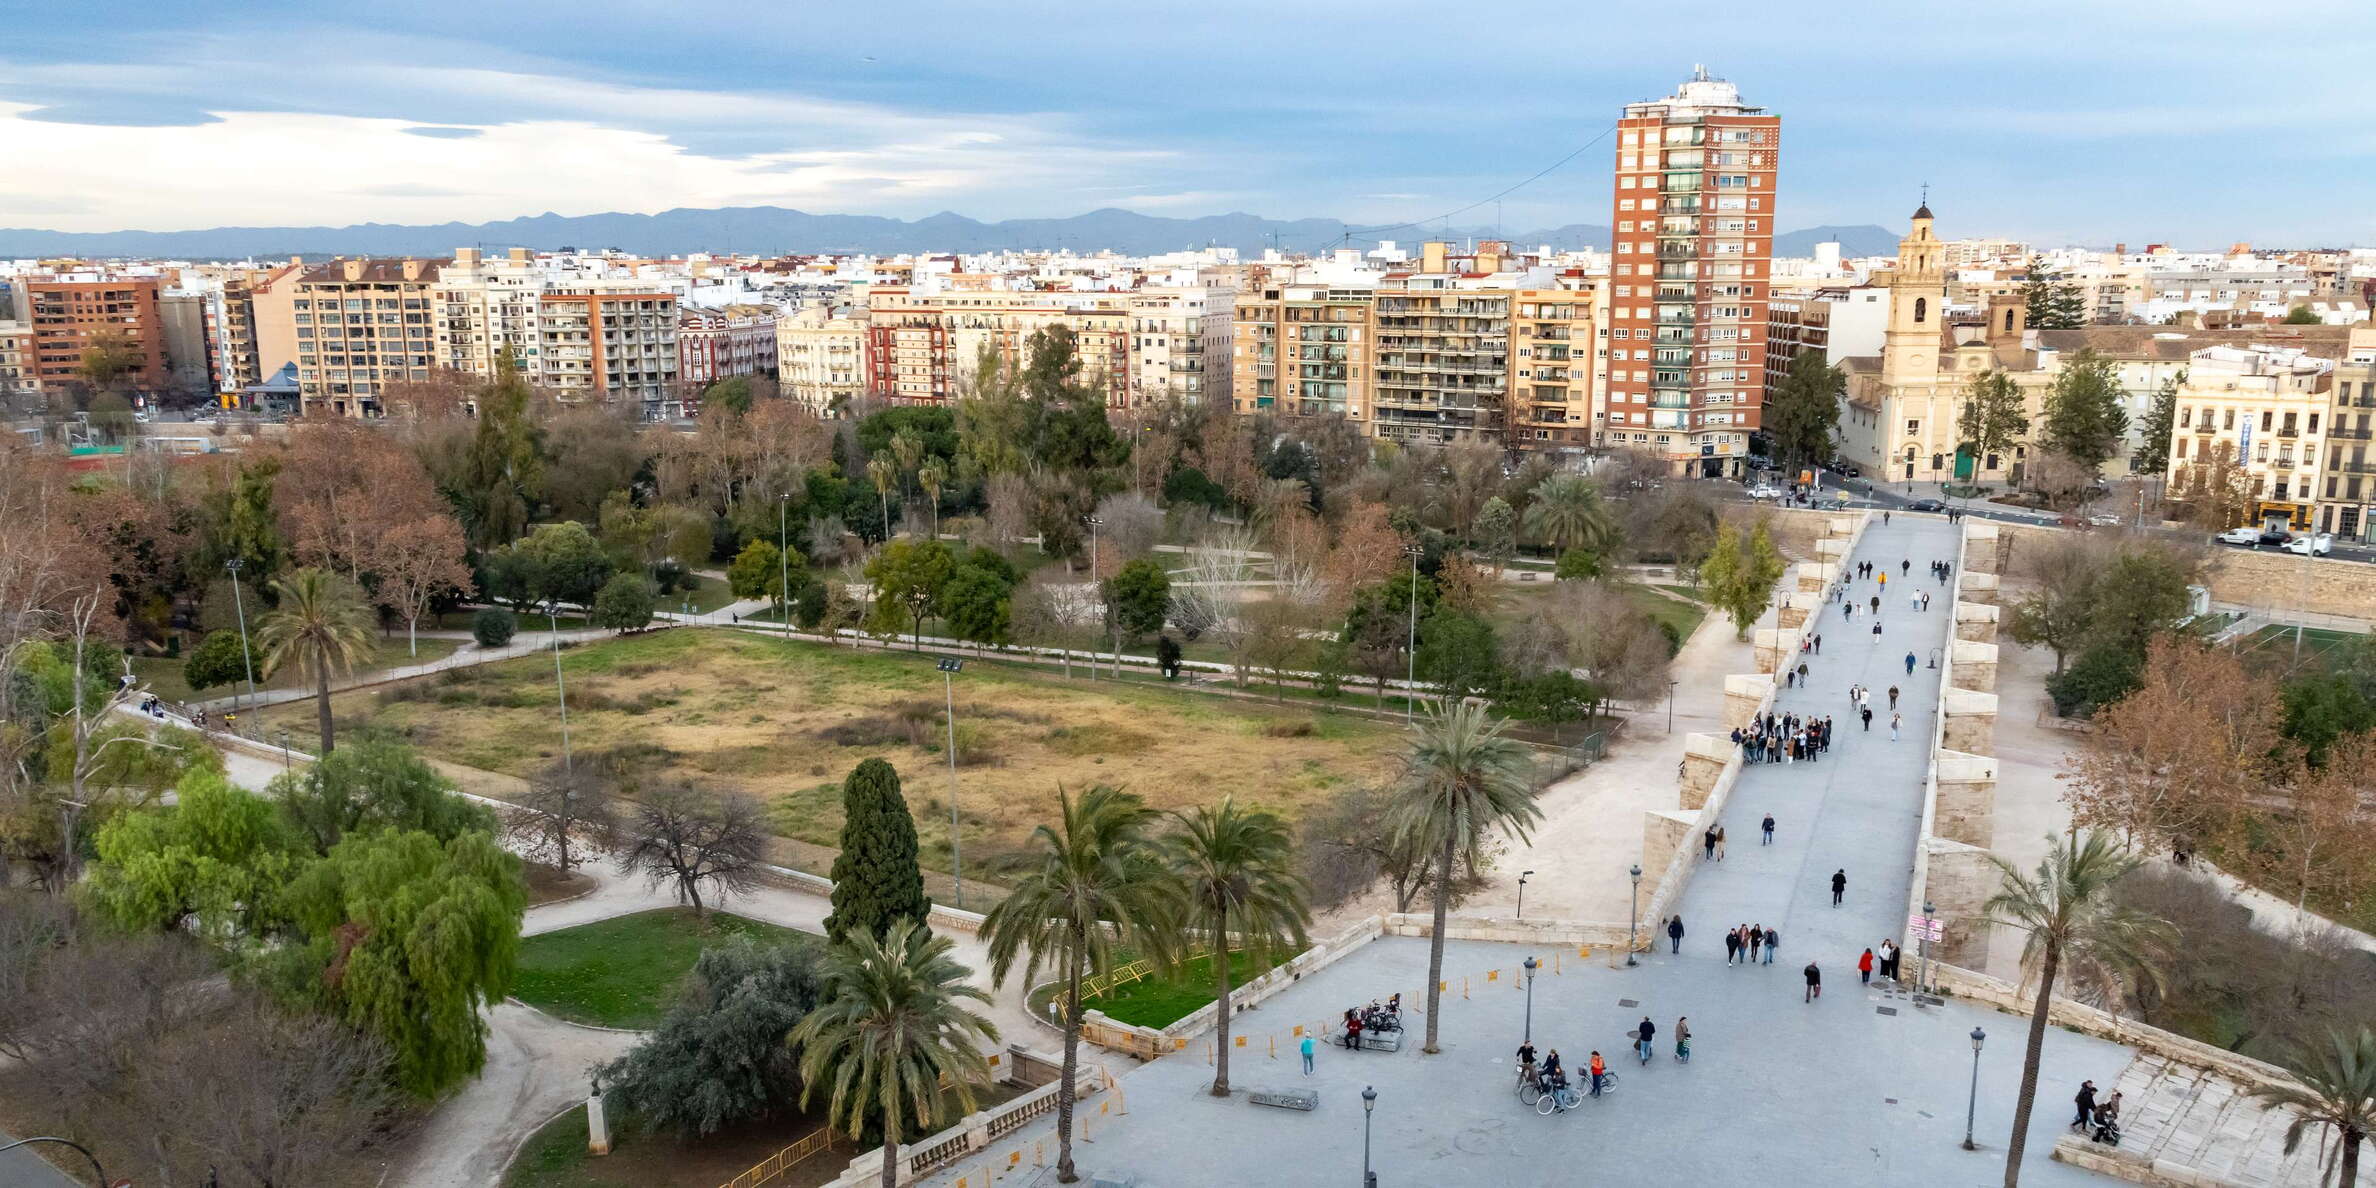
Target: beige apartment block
[2271,406]
[2347,483]
[361,325]
[922,346]
[821,358]
[1304,351]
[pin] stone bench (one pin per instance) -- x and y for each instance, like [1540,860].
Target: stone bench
[1381,1041]
[1286,1099]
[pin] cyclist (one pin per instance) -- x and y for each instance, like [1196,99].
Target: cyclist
[1526,1062]
[1600,1068]
[1642,1038]
[1683,1038]
[1553,1075]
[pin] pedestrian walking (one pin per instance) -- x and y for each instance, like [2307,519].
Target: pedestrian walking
[1893,727]
[1926,600]
[1306,1048]
[1906,566]
[1643,1035]
[1864,969]
[1819,643]
[1876,630]
[1756,938]
[1675,935]
[1893,692]
[1732,947]
[1839,885]
[1814,983]
[1708,844]
[1720,843]
[1599,1068]
[1769,829]
[1909,664]
[1773,941]
[1884,521]
[2085,1100]
[1889,960]
[1868,719]
[1876,604]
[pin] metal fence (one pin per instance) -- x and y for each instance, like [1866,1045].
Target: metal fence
[782,1161]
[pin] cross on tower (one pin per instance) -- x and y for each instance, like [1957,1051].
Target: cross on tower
[1926,193]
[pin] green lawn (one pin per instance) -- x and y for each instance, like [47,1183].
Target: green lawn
[622,972]
[164,676]
[1157,1001]
[1685,616]
[2274,644]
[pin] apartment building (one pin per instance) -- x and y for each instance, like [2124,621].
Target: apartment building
[821,357]
[1837,321]
[1179,345]
[712,345]
[1552,364]
[2346,494]
[1690,271]
[487,307]
[228,306]
[70,314]
[921,346]
[611,343]
[2271,404]
[1304,350]
[361,325]
[16,360]
[182,323]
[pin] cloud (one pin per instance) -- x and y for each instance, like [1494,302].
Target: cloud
[1202,199]
[446,133]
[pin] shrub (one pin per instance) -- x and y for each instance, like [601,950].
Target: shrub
[217,661]
[493,627]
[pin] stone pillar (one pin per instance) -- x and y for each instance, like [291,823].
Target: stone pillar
[1970,725]
[597,1126]
[1663,832]
[1961,880]
[1844,526]
[1814,576]
[1975,665]
[1966,808]
[1792,617]
[1980,547]
[1777,647]
[1976,622]
[1978,588]
[1704,758]
[1832,549]
[1743,694]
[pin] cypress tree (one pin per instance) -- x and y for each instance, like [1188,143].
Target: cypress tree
[876,881]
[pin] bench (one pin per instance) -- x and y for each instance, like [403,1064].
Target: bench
[1306,1100]
[1381,1041]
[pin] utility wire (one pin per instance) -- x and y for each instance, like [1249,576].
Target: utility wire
[1538,175]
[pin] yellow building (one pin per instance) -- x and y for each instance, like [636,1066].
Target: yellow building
[2271,404]
[2347,482]
[821,358]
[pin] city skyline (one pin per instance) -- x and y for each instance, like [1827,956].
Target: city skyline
[2109,129]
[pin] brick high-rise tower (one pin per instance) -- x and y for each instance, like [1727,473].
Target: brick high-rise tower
[1691,273]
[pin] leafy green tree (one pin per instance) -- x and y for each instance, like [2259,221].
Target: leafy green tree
[808,607]
[2067,914]
[2053,302]
[1497,531]
[221,659]
[1577,565]
[895,1046]
[1069,431]
[1243,894]
[721,1056]
[733,392]
[758,571]
[625,603]
[502,471]
[570,565]
[493,627]
[1803,411]
[1567,512]
[215,860]
[1189,486]
[2161,417]
[978,602]
[876,882]
[1462,780]
[1740,579]
[1554,697]
[1087,885]
[1137,596]
[2100,676]
[2321,707]
[1459,654]
[410,939]
[908,577]
[2303,315]
[322,625]
[2084,419]
[2334,1087]
[374,784]
[1994,416]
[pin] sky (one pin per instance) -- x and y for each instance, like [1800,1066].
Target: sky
[2081,121]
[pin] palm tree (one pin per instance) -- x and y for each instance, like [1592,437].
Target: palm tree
[932,476]
[1241,882]
[893,1036]
[2068,913]
[1097,881]
[1462,778]
[2338,1089]
[1568,512]
[884,474]
[322,624]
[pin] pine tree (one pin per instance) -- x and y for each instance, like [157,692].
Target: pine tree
[2153,451]
[2053,302]
[876,881]
[2083,415]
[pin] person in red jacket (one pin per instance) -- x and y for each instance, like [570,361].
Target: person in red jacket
[1864,967]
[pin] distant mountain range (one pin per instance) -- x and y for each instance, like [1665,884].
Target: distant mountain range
[771,230]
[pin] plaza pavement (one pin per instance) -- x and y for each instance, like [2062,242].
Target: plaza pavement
[1863,1083]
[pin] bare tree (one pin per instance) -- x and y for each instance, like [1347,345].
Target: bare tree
[567,810]
[304,1095]
[2178,757]
[1040,616]
[691,836]
[1273,638]
[416,562]
[1132,525]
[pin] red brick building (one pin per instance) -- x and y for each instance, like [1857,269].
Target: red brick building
[69,316]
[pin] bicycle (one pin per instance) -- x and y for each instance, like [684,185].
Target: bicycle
[1561,1100]
[1529,1085]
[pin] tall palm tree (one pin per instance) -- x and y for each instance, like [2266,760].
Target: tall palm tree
[1239,867]
[2338,1089]
[932,476]
[894,1039]
[1097,881]
[322,625]
[2067,912]
[1568,512]
[884,474]
[1462,778]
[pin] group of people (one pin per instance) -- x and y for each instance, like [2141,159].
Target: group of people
[1861,698]
[1551,1075]
[1377,1016]
[1741,945]
[2099,1120]
[1885,961]
[1784,738]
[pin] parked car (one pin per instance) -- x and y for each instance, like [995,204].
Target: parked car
[1927,505]
[1765,491]
[2274,536]
[2312,546]
[2248,536]
[2104,520]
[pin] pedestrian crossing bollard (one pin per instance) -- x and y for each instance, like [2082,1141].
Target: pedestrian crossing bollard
[1464,986]
[1274,1046]
[1493,975]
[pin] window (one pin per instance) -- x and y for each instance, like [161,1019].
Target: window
[2008,321]
[1921,309]
[1913,427]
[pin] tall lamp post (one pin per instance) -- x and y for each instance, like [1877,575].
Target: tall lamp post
[1094,522]
[1929,914]
[1633,928]
[1522,877]
[1411,645]
[1671,705]
[560,688]
[1369,1105]
[950,666]
[1531,966]
[239,607]
[784,561]
[1972,1104]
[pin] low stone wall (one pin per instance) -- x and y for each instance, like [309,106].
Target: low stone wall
[1243,998]
[2078,1016]
[1516,932]
[2257,577]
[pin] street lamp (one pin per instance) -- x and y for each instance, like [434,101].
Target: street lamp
[1633,927]
[1972,1104]
[284,741]
[950,666]
[1411,647]
[560,688]
[1929,913]
[239,606]
[1369,1105]
[1094,522]
[1671,705]
[784,560]
[1531,966]
[1522,877]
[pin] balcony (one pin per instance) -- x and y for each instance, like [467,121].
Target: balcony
[2352,434]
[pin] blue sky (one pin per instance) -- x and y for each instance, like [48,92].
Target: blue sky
[2180,121]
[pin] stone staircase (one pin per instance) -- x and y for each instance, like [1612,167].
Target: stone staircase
[2186,1125]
